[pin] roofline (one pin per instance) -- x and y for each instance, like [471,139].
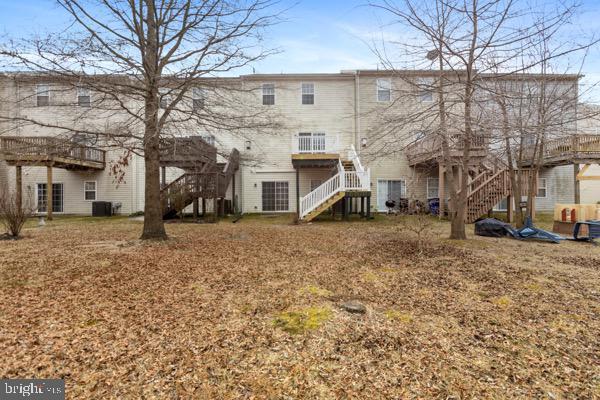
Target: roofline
[344,74]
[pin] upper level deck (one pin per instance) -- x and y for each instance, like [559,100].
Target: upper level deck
[428,150]
[45,150]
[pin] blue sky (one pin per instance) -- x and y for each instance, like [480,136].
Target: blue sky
[316,36]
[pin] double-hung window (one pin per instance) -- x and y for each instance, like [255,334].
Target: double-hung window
[425,89]
[542,190]
[84,98]
[198,98]
[268,94]
[89,190]
[164,98]
[42,95]
[308,93]
[275,196]
[433,188]
[384,90]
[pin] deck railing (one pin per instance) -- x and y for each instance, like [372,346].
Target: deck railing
[430,146]
[315,143]
[50,147]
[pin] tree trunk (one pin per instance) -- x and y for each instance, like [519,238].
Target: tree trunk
[154,227]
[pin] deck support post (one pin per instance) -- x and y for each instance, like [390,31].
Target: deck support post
[195,208]
[203,207]
[362,206]
[368,207]
[49,193]
[297,194]
[441,190]
[163,177]
[233,205]
[577,186]
[509,209]
[19,189]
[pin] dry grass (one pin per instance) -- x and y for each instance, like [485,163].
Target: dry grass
[251,311]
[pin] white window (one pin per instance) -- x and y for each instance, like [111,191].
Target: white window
[433,188]
[384,90]
[43,95]
[425,88]
[308,93]
[198,98]
[542,190]
[84,99]
[268,94]
[311,142]
[89,190]
[390,189]
[164,98]
[275,196]
[210,139]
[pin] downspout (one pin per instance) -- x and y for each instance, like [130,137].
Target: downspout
[357,111]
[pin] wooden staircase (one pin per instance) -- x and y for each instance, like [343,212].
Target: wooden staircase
[488,189]
[209,183]
[350,176]
[324,206]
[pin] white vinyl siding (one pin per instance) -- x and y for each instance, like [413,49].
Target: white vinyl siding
[164,98]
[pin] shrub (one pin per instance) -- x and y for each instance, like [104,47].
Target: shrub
[14,215]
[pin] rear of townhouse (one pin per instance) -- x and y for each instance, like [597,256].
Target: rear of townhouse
[325,115]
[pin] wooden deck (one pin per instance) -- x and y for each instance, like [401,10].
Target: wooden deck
[428,150]
[190,153]
[573,149]
[50,151]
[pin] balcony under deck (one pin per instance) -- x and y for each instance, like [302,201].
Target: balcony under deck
[50,151]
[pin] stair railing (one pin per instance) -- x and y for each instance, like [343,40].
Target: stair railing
[323,192]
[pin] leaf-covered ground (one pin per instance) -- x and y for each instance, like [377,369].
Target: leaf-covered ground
[252,311]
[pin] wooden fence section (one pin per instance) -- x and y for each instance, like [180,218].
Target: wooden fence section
[32,149]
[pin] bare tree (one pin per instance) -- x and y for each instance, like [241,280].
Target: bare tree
[453,43]
[148,65]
